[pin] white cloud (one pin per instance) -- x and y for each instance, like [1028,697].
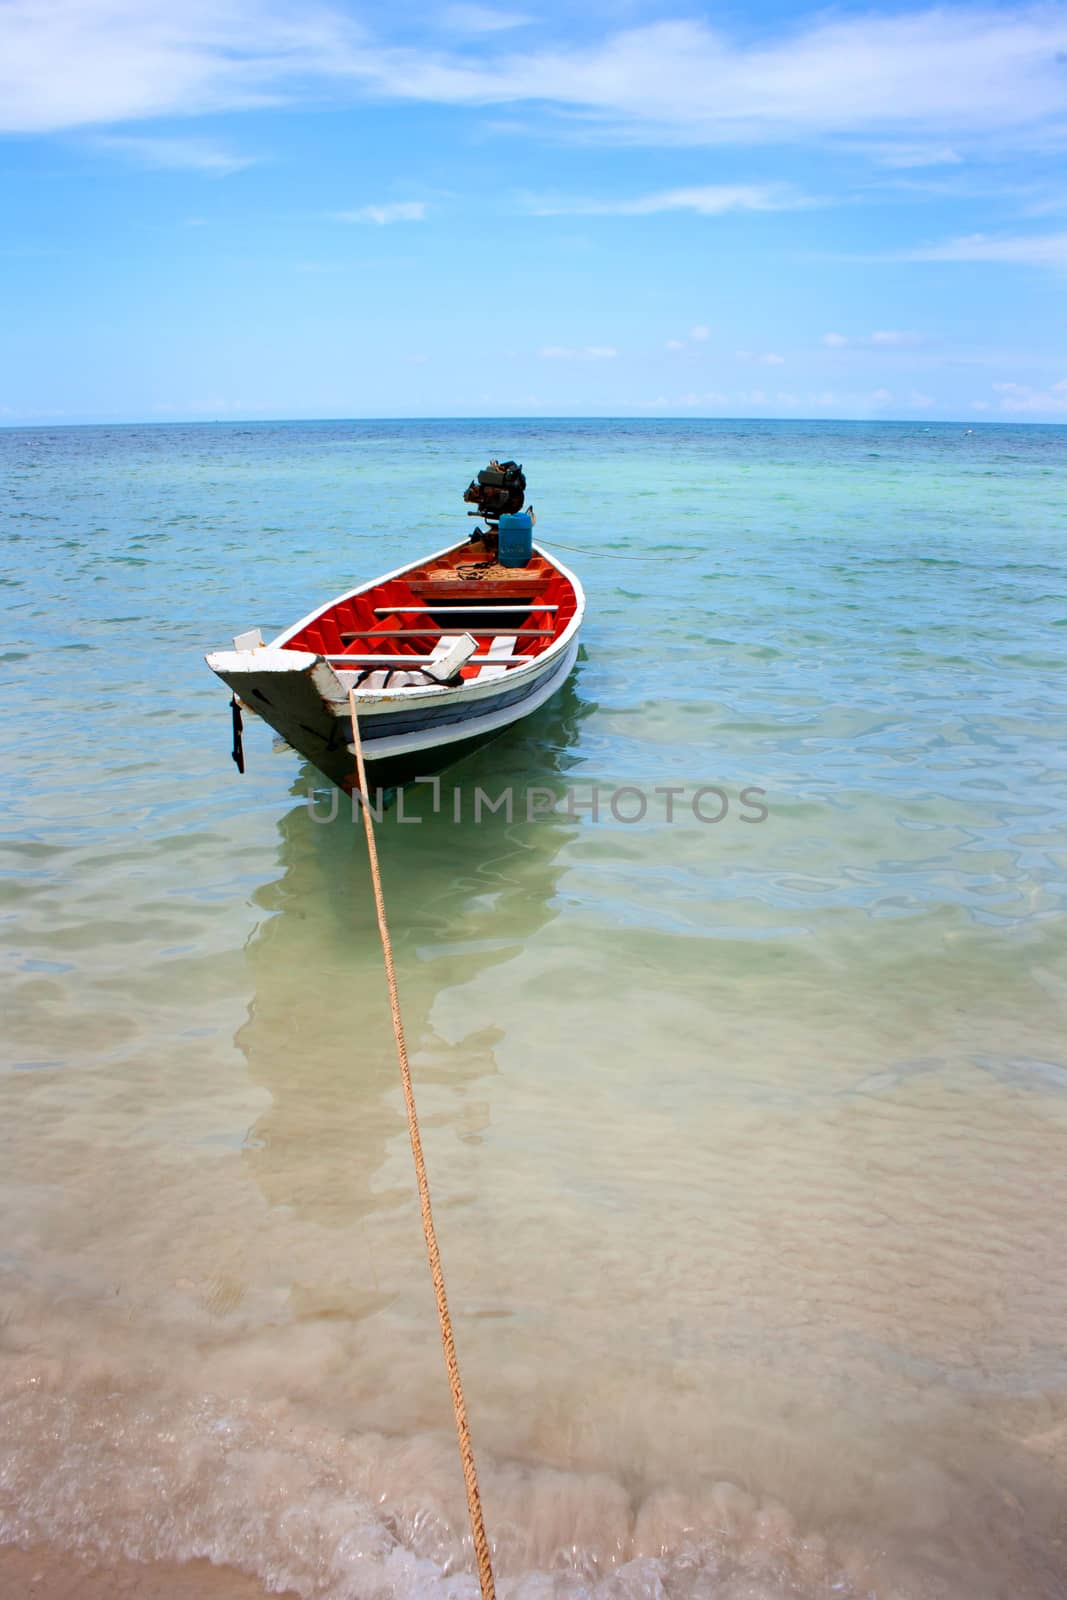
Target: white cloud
[1045,205]
[707,200]
[700,333]
[905,156]
[943,71]
[1028,250]
[711,397]
[767,359]
[392,211]
[920,402]
[179,155]
[882,339]
[73,63]
[937,77]
[1021,397]
[480,19]
[881,397]
[589,352]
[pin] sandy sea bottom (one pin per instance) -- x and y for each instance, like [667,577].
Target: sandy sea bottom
[746,1139]
[48,1573]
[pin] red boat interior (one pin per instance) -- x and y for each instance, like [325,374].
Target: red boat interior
[511,612]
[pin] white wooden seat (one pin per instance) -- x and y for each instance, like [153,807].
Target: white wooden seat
[499,651]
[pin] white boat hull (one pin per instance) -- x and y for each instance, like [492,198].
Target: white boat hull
[406,732]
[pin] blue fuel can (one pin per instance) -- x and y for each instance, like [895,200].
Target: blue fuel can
[515,542]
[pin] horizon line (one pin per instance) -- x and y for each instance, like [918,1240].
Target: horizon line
[246,422]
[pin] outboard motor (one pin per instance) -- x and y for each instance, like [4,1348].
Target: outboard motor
[498,490]
[498,493]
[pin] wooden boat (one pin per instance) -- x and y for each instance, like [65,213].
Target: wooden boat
[517,626]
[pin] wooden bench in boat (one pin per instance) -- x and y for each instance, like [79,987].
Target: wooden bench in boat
[459,589]
[385,657]
[348,635]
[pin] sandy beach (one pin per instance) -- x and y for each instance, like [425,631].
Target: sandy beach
[47,1574]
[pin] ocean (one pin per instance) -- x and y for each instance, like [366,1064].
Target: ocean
[740,1058]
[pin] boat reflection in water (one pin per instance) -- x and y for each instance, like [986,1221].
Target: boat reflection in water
[462,897]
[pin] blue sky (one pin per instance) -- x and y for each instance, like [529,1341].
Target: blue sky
[266,209]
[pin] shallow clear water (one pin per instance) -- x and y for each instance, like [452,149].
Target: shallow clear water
[746,1138]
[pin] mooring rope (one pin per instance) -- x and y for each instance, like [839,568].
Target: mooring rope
[613,555]
[463,1433]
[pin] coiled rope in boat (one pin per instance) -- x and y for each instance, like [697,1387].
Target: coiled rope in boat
[463,1433]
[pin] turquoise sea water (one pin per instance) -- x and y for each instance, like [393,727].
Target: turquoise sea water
[747,1137]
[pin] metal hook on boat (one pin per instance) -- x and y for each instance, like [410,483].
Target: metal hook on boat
[238,751]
